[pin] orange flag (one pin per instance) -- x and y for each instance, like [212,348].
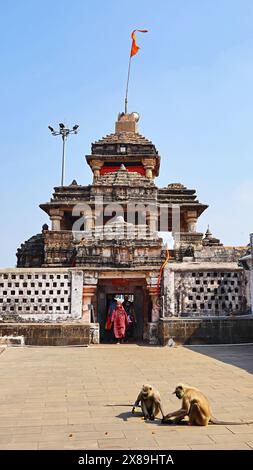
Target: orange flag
[135,48]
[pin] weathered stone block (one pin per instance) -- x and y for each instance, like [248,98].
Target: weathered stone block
[206,331]
[48,334]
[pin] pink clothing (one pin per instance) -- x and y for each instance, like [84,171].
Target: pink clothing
[120,321]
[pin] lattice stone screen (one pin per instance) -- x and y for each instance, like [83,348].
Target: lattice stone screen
[200,292]
[41,294]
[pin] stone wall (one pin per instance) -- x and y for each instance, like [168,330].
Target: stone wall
[58,248]
[205,289]
[52,334]
[219,254]
[206,330]
[41,294]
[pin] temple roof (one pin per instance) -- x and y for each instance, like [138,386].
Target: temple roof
[124,137]
[177,193]
[126,132]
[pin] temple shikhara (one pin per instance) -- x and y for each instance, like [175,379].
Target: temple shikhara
[106,240]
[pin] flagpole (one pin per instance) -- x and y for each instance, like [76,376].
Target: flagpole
[134,50]
[128,76]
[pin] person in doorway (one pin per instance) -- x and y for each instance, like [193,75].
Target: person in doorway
[120,322]
[129,308]
[108,323]
[112,306]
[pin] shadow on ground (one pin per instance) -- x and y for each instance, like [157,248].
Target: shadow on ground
[236,355]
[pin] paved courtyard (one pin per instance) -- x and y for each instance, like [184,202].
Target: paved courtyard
[75,397]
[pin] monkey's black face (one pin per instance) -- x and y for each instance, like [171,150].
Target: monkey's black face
[179,392]
[146,391]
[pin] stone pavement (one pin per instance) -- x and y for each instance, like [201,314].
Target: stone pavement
[74,397]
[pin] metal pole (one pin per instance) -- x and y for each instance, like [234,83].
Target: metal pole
[64,137]
[128,76]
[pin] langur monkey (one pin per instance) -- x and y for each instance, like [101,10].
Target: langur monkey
[196,406]
[150,402]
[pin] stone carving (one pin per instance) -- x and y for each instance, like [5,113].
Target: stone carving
[124,165]
[176,186]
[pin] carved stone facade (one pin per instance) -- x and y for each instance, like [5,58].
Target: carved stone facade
[105,238]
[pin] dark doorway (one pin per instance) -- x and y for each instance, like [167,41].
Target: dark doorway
[107,291]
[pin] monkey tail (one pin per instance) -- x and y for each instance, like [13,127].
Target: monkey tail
[217,421]
[123,404]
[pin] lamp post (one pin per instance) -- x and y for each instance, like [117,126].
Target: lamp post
[64,132]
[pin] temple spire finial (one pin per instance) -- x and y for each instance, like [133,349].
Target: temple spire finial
[127,123]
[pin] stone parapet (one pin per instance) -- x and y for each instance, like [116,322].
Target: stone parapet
[219,254]
[205,289]
[53,334]
[206,331]
[39,295]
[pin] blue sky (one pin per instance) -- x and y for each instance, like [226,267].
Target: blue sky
[192,83]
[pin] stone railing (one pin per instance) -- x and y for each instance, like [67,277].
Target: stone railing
[205,290]
[40,295]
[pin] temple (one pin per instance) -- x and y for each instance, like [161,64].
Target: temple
[105,239]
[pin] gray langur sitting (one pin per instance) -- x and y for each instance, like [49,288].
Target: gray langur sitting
[150,402]
[196,406]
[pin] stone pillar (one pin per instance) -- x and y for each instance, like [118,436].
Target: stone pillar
[76,293]
[169,292]
[98,217]
[89,223]
[191,221]
[155,308]
[149,165]
[96,166]
[88,292]
[56,217]
[152,332]
[152,221]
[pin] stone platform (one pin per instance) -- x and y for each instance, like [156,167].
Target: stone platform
[80,398]
[207,330]
[182,330]
[51,334]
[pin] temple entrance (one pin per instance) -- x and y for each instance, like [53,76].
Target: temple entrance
[108,290]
